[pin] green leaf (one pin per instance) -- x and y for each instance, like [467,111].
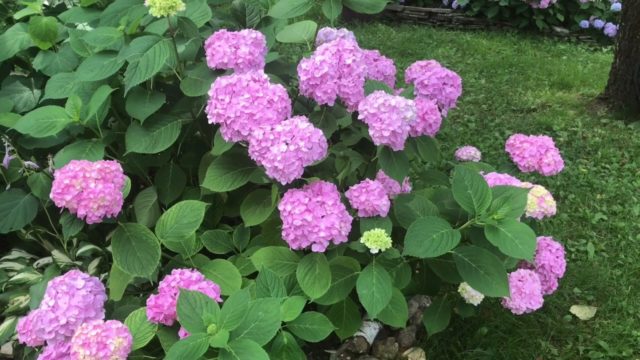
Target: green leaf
[234,309]
[157,134]
[13,40]
[9,120]
[92,150]
[509,202]
[141,329]
[135,249]
[193,307]
[241,237]
[427,148]
[513,238]
[243,349]
[73,107]
[60,86]
[22,92]
[99,105]
[394,163]
[376,223]
[482,270]
[228,172]
[366,6]
[192,347]
[314,275]
[99,66]
[374,288]
[220,146]
[262,321]
[170,181]
[311,326]
[223,273]
[430,237]
[287,9]
[257,207]
[332,9]
[269,285]
[180,221]
[396,313]
[470,190]
[17,209]
[40,185]
[149,64]
[436,317]
[43,31]
[102,38]
[345,315]
[51,62]
[146,207]
[141,103]
[344,273]
[409,207]
[198,11]
[299,32]
[285,347]
[43,121]
[292,307]
[217,241]
[71,225]
[117,283]
[278,259]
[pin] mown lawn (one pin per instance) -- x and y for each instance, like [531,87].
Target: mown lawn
[516,83]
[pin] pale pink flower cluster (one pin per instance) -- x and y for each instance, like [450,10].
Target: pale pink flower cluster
[327,34]
[369,198]
[500,179]
[540,202]
[162,307]
[388,117]
[549,263]
[468,153]
[435,82]
[428,118]
[380,68]
[525,292]
[335,70]
[70,302]
[391,186]
[90,190]
[534,153]
[242,102]
[101,340]
[314,216]
[285,149]
[241,51]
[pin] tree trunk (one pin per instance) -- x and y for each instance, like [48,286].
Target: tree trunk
[623,87]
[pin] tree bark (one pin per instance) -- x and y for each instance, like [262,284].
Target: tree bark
[623,87]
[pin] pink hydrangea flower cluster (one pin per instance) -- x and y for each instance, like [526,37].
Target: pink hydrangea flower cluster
[380,68]
[101,340]
[535,153]
[285,149]
[525,292]
[500,179]
[335,70]
[242,102]
[389,118]
[369,198]
[90,190]
[56,351]
[241,51]
[161,307]
[549,263]
[327,34]
[468,153]
[391,186]
[428,118]
[540,202]
[435,82]
[314,216]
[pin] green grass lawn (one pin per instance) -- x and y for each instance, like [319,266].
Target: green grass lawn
[515,83]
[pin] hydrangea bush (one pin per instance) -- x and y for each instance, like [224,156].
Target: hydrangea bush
[174,188]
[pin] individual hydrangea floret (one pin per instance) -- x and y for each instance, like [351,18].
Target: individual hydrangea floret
[327,34]
[285,149]
[435,82]
[584,24]
[101,340]
[90,190]
[616,7]
[335,70]
[428,118]
[162,8]
[389,118]
[183,333]
[241,51]
[60,350]
[525,292]
[535,153]
[376,240]
[369,198]
[470,295]
[161,307]
[240,103]
[540,202]
[380,68]
[468,153]
[314,216]
[391,186]
[549,263]
[610,29]
[598,23]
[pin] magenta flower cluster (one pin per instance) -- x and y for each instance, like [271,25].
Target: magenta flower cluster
[286,148]
[380,68]
[435,82]
[369,198]
[391,186]
[162,307]
[327,34]
[314,216]
[428,118]
[535,153]
[388,117]
[240,103]
[525,292]
[540,4]
[90,190]
[101,340]
[240,51]
[468,153]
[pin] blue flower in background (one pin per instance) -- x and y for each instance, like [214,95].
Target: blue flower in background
[610,29]
[598,24]
[616,7]
[584,24]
